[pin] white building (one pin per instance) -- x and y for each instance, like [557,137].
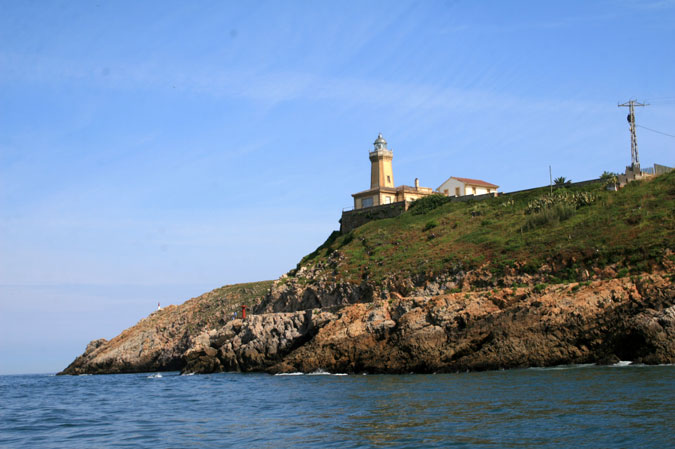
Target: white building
[465,186]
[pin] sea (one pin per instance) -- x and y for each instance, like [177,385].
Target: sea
[587,406]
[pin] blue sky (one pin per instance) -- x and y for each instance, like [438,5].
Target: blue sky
[152,151]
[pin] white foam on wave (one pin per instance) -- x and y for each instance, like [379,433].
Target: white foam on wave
[318,372]
[623,363]
[155,376]
[321,372]
[188,374]
[561,367]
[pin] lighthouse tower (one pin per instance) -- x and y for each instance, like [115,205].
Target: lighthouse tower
[382,190]
[381,173]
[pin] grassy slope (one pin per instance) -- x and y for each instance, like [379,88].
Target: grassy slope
[631,228]
[208,309]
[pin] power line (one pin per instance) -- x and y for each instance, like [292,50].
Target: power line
[655,131]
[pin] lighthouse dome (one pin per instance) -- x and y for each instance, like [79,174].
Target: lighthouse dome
[380,143]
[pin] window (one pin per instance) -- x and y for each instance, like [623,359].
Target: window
[473,190]
[488,190]
[367,202]
[387,200]
[456,191]
[445,192]
[388,179]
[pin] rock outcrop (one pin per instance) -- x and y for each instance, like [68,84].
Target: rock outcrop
[159,341]
[601,322]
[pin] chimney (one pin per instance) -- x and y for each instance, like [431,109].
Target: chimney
[417,183]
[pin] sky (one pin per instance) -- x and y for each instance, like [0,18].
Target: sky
[152,151]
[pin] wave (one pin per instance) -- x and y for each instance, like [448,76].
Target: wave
[321,372]
[623,363]
[318,372]
[155,376]
[562,367]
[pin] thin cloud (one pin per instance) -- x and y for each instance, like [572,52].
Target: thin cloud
[271,88]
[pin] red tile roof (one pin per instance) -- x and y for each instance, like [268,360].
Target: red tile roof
[475,182]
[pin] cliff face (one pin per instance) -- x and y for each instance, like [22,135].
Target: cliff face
[603,322]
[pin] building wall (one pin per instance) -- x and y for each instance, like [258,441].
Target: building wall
[451,185]
[377,199]
[360,203]
[479,190]
[380,198]
[386,198]
[411,196]
[464,189]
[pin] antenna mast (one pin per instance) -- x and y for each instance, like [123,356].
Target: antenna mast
[634,157]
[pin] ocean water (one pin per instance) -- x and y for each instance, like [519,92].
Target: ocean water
[577,406]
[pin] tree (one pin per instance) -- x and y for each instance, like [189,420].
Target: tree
[562,182]
[609,179]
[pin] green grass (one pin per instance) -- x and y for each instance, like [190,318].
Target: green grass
[209,308]
[631,228]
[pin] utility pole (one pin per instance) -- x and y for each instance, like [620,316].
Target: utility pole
[550,178]
[634,158]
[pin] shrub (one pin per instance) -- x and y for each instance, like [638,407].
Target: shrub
[428,203]
[539,287]
[548,216]
[609,179]
[430,225]
[348,239]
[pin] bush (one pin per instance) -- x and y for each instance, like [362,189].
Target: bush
[430,225]
[539,287]
[428,203]
[549,216]
[609,179]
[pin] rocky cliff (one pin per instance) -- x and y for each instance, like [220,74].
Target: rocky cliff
[158,342]
[601,322]
[535,279]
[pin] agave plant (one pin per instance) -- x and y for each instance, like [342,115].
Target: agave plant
[574,200]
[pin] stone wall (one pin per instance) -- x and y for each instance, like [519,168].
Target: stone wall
[352,219]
